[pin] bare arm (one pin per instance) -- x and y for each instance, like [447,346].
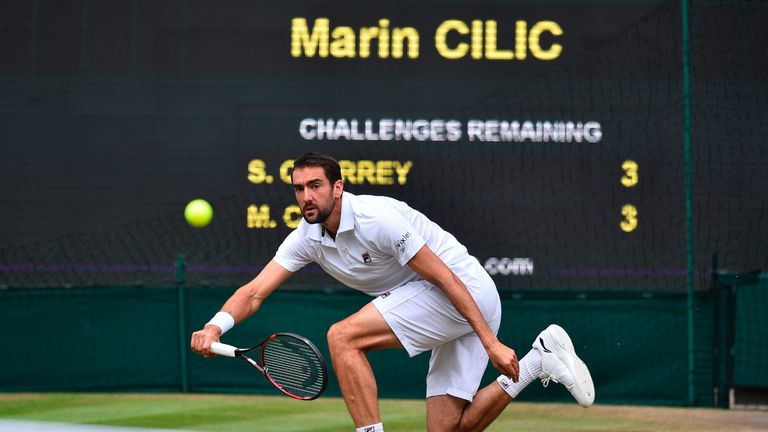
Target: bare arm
[433,269]
[242,304]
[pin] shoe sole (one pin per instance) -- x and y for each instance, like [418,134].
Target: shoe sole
[582,379]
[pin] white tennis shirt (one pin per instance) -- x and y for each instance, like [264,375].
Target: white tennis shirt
[377,237]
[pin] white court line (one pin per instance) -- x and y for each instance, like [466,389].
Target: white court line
[36,426]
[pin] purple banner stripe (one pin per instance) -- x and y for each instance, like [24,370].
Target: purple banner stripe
[138,268]
[615,272]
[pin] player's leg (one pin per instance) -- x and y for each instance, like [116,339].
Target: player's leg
[453,402]
[453,367]
[444,412]
[348,341]
[449,413]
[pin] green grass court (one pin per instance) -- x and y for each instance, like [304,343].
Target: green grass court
[276,413]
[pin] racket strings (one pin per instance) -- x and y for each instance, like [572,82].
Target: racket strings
[294,366]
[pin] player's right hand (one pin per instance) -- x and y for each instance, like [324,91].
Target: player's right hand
[504,359]
[202,340]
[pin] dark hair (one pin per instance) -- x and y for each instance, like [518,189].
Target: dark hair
[330,165]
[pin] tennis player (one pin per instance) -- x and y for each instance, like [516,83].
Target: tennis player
[430,295]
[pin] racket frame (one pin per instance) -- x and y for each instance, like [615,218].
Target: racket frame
[231,351]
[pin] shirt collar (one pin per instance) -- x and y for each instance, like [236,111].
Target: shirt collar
[347,222]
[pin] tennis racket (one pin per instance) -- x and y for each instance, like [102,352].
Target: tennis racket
[289,361]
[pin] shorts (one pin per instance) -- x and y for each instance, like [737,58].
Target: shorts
[423,318]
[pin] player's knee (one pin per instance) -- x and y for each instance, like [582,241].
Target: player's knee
[339,337]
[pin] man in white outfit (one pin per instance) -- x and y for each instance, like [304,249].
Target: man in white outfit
[430,295]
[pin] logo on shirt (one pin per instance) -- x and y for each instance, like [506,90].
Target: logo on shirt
[386,294]
[402,240]
[366,257]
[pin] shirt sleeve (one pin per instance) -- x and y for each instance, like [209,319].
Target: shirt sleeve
[398,237]
[292,253]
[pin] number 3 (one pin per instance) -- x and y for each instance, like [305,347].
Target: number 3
[629,223]
[631,176]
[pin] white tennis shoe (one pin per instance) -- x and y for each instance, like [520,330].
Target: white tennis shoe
[560,364]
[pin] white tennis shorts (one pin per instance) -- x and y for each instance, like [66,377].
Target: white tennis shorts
[423,318]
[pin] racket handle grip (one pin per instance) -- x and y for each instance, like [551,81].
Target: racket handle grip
[223,349]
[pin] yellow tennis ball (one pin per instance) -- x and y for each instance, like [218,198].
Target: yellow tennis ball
[198,213]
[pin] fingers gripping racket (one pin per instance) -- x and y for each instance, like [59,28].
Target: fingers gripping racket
[289,361]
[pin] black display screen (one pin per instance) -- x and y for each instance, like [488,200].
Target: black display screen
[547,136]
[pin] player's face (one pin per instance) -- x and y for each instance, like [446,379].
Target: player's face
[314,193]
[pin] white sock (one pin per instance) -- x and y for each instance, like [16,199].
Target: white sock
[378,427]
[530,369]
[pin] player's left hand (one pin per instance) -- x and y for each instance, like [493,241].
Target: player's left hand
[504,359]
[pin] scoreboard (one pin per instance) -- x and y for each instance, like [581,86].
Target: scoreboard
[546,136]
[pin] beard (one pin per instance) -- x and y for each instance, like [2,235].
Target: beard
[321,213]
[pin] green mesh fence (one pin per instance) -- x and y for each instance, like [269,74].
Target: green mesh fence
[750,349]
[129,339]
